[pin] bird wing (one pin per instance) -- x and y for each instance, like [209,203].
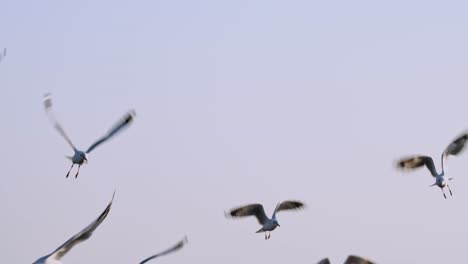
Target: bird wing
[121,124]
[82,235]
[457,145]
[53,120]
[357,260]
[251,209]
[288,205]
[416,162]
[176,247]
[324,261]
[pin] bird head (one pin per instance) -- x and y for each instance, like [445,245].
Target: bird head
[276,222]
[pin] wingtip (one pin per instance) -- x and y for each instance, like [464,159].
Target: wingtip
[47,98]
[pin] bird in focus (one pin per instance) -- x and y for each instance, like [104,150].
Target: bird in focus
[268,224]
[413,162]
[79,157]
[56,256]
[174,248]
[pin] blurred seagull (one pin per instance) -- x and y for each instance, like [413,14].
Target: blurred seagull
[352,259]
[174,248]
[268,224]
[56,256]
[3,54]
[454,148]
[79,156]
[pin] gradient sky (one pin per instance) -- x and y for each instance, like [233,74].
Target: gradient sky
[237,102]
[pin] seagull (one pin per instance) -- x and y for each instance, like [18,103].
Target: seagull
[352,259]
[56,256]
[454,148]
[174,248]
[79,156]
[268,224]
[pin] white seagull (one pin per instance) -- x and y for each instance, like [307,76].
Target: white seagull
[79,156]
[268,224]
[176,247]
[56,256]
[454,148]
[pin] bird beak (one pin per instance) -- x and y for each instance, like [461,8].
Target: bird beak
[278,225]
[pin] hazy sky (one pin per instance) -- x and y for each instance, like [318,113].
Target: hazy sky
[237,102]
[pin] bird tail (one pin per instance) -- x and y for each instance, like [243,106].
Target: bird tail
[69,157]
[260,230]
[433,185]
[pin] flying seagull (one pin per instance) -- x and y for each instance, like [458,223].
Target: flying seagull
[268,224]
[174,248]
[454,148]
[56,256]
[352,259]
[79,156]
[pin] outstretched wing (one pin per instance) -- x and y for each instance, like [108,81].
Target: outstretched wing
[288,205]
[251,209]
[357,260]
[457,145]
[121,124]
[53,120]
[81,236]
[416,162]
[170,250]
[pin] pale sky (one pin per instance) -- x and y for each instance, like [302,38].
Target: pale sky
[237,102]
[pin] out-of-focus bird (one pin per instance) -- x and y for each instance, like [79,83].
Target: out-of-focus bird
[454,148]
[79,157]
[56,256]
[174,248]
[257,210]
[324,261]
[352,259]
[3,54]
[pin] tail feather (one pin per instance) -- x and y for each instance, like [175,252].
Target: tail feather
[260,230]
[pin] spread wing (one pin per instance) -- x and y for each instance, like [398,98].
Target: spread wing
[248,210]
[357,260]
[416,162]
[53,120]
[119,126]
[457,145]
[288,205]
[170,250]
[81,236]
